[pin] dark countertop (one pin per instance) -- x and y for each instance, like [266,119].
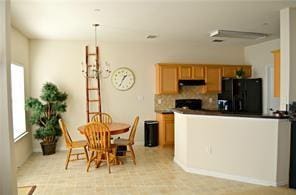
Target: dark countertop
[166,111]
[218,113]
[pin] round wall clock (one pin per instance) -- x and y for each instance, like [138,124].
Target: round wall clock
[123,78]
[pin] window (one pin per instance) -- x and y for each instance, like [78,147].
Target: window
[18,100]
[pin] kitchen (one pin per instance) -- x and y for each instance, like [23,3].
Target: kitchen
[217,120]
[221,125]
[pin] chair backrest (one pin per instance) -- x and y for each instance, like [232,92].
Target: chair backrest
[102,117]
[133,131]
[97,135]
[66,134]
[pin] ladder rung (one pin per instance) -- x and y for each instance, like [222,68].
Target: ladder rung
[93,100]
[93,88]
[92,54]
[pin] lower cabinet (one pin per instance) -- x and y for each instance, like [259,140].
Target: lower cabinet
[166,129]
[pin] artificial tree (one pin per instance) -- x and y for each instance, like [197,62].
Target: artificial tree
[46,112]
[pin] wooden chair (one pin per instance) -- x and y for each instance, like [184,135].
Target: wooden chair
[130,141]
[102,117]
[70,144]
[99,144]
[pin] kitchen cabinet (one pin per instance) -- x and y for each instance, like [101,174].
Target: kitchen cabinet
[198,72]
[168,76]
[191,72]
[277,71]
[213,79]
[230,71]
[166,129]
[167,79]
[185,72]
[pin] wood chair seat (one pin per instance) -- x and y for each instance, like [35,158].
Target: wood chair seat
[130,141]
[121,142]
[70,144]
[78,143]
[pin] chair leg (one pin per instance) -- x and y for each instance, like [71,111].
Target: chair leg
[108,163]
[99,159]
[68,158]
[86,153]
[133,153]
[90,160]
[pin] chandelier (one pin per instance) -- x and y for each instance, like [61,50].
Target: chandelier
[92,68]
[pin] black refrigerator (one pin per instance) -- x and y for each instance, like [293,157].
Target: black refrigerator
[241,96]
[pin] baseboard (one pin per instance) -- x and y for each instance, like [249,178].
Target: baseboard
[229,176]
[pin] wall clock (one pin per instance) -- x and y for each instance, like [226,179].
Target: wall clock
[123,78]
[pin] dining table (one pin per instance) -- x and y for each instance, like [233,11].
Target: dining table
[115,128]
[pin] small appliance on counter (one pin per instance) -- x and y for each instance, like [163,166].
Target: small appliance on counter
[193,104]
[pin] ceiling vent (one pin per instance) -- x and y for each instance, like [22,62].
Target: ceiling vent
[218,40]
[238,34]
[151,36]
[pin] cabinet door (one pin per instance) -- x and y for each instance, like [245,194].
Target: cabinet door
[169,132]
[229,71]
[185,72]
[277,60]
[198,72]
[167,79]
[213,79]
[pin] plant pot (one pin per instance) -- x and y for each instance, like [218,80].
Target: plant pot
[48,149]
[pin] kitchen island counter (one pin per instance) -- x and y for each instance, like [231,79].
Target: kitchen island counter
[247,149]
[226,114]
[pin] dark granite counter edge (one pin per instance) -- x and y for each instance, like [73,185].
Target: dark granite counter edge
[164,111]
[217,113]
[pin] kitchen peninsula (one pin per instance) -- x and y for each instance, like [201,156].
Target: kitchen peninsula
[247,148]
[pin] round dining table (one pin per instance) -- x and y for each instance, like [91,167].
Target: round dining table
[115,128]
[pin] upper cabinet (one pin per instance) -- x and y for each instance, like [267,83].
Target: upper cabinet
[229,71]
[213,79]
[277,69]
[166,79]
[191,72]
[168,76]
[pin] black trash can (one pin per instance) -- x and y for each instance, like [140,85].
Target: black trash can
[151,133]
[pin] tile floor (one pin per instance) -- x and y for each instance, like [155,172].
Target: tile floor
[155,173]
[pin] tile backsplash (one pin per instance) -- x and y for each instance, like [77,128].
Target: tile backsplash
[209,101]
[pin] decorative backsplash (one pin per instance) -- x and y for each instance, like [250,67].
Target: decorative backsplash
[163,102]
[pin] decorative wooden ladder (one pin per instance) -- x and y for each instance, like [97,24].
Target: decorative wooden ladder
[92,85]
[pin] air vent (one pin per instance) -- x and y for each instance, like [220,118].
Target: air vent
[238,34]
[151,36]
[218,40]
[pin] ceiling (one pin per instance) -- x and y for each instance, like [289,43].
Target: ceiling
[132,21]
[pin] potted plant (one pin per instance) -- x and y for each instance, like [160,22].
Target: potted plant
[45,113]
[240,73]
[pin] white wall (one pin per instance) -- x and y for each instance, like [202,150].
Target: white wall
[20,55]
[60,62]
[260,56]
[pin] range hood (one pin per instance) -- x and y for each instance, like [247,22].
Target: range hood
[191,82]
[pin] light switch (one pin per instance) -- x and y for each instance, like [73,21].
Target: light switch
[140,98]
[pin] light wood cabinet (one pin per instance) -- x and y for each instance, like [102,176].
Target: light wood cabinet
[191,72]
[230,71]
[213,79]
[198,72]
[277,71]
[166,79]
[185,72]
[166,129]
[168,76]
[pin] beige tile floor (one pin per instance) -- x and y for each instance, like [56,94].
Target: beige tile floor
[155,173]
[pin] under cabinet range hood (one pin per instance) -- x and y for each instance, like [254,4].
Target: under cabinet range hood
[191,82]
